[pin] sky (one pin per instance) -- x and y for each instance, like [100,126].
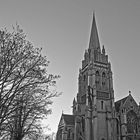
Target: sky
[62,29]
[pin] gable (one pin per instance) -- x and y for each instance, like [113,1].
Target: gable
[62,122]
[119,103]
[130,104]
[69,119]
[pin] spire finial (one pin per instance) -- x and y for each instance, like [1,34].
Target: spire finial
[103,50]
[74,101]
[94,39]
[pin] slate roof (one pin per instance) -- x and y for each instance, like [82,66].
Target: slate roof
[69,119]
[118,103]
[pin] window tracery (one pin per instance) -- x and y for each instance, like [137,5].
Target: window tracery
[132,122]
[102,104]
[103,79]
[97,81]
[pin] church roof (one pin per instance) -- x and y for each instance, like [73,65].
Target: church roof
[69,119]
[118,103]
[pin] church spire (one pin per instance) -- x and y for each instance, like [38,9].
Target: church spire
[94,39]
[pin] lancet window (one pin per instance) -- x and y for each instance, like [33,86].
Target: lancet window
[132,122]
[97,81]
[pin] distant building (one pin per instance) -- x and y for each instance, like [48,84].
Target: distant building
[95,114]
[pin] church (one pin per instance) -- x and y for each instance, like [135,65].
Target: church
[96,114]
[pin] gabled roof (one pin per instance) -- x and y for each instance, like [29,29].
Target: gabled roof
[69,119]
[123,102]
[118,103]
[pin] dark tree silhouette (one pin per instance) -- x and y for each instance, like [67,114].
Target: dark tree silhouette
[25,87]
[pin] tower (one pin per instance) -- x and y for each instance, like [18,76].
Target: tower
[95,115]
[95,97]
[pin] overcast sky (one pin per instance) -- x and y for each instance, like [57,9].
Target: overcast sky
[62,28]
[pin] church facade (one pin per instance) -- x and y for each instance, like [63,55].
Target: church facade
[96,116]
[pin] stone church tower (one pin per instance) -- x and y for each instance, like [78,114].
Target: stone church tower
[95,114]
[95,98]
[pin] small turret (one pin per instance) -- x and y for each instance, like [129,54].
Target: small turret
[74,106]
[74,101]
[103,50]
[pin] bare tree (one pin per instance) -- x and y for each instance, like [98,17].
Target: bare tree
[25,87]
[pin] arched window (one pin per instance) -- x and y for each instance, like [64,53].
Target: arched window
[132,122]
[103,79]
[79,109]
[97,81]
[97,73]
[102,104]
[117,125]
[69,131]
[73,136]
[59,134]
[103,74]
[84,77]
[83,124]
